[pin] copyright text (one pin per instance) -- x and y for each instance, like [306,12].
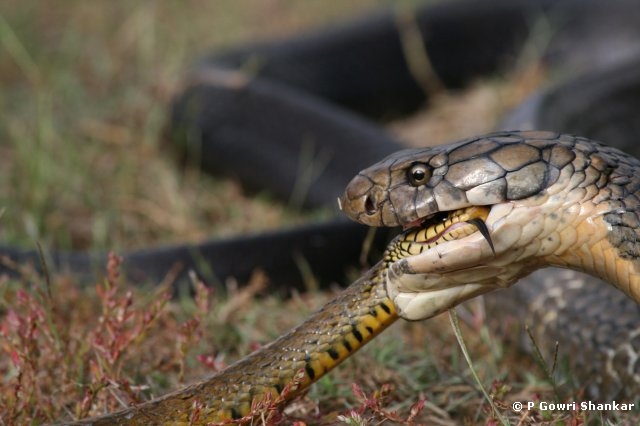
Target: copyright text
[572,406]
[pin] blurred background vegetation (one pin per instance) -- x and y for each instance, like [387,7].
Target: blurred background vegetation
[86,88]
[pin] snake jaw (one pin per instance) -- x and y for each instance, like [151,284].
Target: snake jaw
[442,260]
[425,233]
[479,234]
[423,283]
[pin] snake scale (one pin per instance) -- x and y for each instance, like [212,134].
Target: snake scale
[479,215]
[235,111]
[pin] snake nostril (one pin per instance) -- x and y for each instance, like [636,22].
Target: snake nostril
[369,206]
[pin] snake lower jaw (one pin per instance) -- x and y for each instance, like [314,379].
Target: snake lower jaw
[422,296]
[425,305]
[482,259]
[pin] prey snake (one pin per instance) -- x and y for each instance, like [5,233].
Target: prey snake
[479,215]
[216,88]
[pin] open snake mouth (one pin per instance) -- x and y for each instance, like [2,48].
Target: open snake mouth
[426,233]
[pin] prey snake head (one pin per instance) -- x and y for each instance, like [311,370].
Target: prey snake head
[482,213]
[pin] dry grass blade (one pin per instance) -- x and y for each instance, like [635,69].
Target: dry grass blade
[455,324]
[548,372]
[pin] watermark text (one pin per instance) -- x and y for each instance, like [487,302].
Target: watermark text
[573,406]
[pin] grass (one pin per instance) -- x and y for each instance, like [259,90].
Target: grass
[85,90]
[79,362]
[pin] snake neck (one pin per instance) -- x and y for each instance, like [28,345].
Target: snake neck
[599,257]
[599,209]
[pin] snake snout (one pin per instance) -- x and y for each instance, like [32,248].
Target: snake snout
[363,201]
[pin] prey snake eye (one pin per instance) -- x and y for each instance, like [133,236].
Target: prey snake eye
[418,174]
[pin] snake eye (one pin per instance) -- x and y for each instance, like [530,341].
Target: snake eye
[419,174]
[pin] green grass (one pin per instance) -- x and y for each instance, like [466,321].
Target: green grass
[86,89]
[85,93]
